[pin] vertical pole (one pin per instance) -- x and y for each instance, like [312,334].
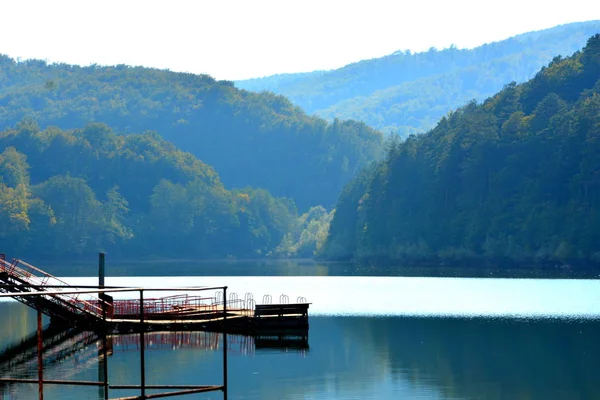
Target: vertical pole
[103,370]
[105,352]
[143,348]
[40,346]
[101,270]
[225,342]
[101,274]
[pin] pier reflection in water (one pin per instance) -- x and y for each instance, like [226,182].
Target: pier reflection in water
[351,358]
[74,356]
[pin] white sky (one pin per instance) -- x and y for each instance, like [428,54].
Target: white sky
[237,39]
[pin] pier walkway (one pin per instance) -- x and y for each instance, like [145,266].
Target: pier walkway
[20,279]
[94,307]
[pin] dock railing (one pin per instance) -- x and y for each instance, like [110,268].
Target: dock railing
[75,292]
[38,279]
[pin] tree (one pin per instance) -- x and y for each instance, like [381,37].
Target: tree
[14,169]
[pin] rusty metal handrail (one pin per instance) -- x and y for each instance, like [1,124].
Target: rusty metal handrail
[31,281]
[111,290]
[81,305]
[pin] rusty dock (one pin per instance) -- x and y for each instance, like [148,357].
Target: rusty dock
[137,315]
[192,308]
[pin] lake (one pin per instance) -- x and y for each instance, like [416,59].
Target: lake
[467,336]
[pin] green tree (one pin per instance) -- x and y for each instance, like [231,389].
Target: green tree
[14,169]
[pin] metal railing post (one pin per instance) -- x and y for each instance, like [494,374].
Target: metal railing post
[40,348]
[225,342]
[143,348]
[104,352]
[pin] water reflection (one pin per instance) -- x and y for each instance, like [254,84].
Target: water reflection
[357,358]
[305,268]
[59,344]
[488,359]
[17,322]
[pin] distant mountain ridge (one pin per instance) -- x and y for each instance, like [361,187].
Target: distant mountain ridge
[409,92]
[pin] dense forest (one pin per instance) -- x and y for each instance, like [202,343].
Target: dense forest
[150,163]
[513,179]
[85,190]
[251,139]
[409,92]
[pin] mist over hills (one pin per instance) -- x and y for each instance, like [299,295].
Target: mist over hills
[151,163]
[409,92]
[251,139]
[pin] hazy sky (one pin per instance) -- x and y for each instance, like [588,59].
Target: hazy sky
[250,38]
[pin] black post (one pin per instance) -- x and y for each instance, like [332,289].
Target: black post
[143,348]
[101,270]
[225,342]
[104,299]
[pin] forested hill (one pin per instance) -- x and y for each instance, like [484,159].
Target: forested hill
[87,190]
[251,139]
[516,178]
[409,92]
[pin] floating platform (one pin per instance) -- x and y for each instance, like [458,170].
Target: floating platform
[274,319]
[93,307]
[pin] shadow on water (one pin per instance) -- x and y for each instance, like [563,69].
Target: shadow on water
[58,343]
[275,267]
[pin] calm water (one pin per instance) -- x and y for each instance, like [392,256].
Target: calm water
[371,337]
